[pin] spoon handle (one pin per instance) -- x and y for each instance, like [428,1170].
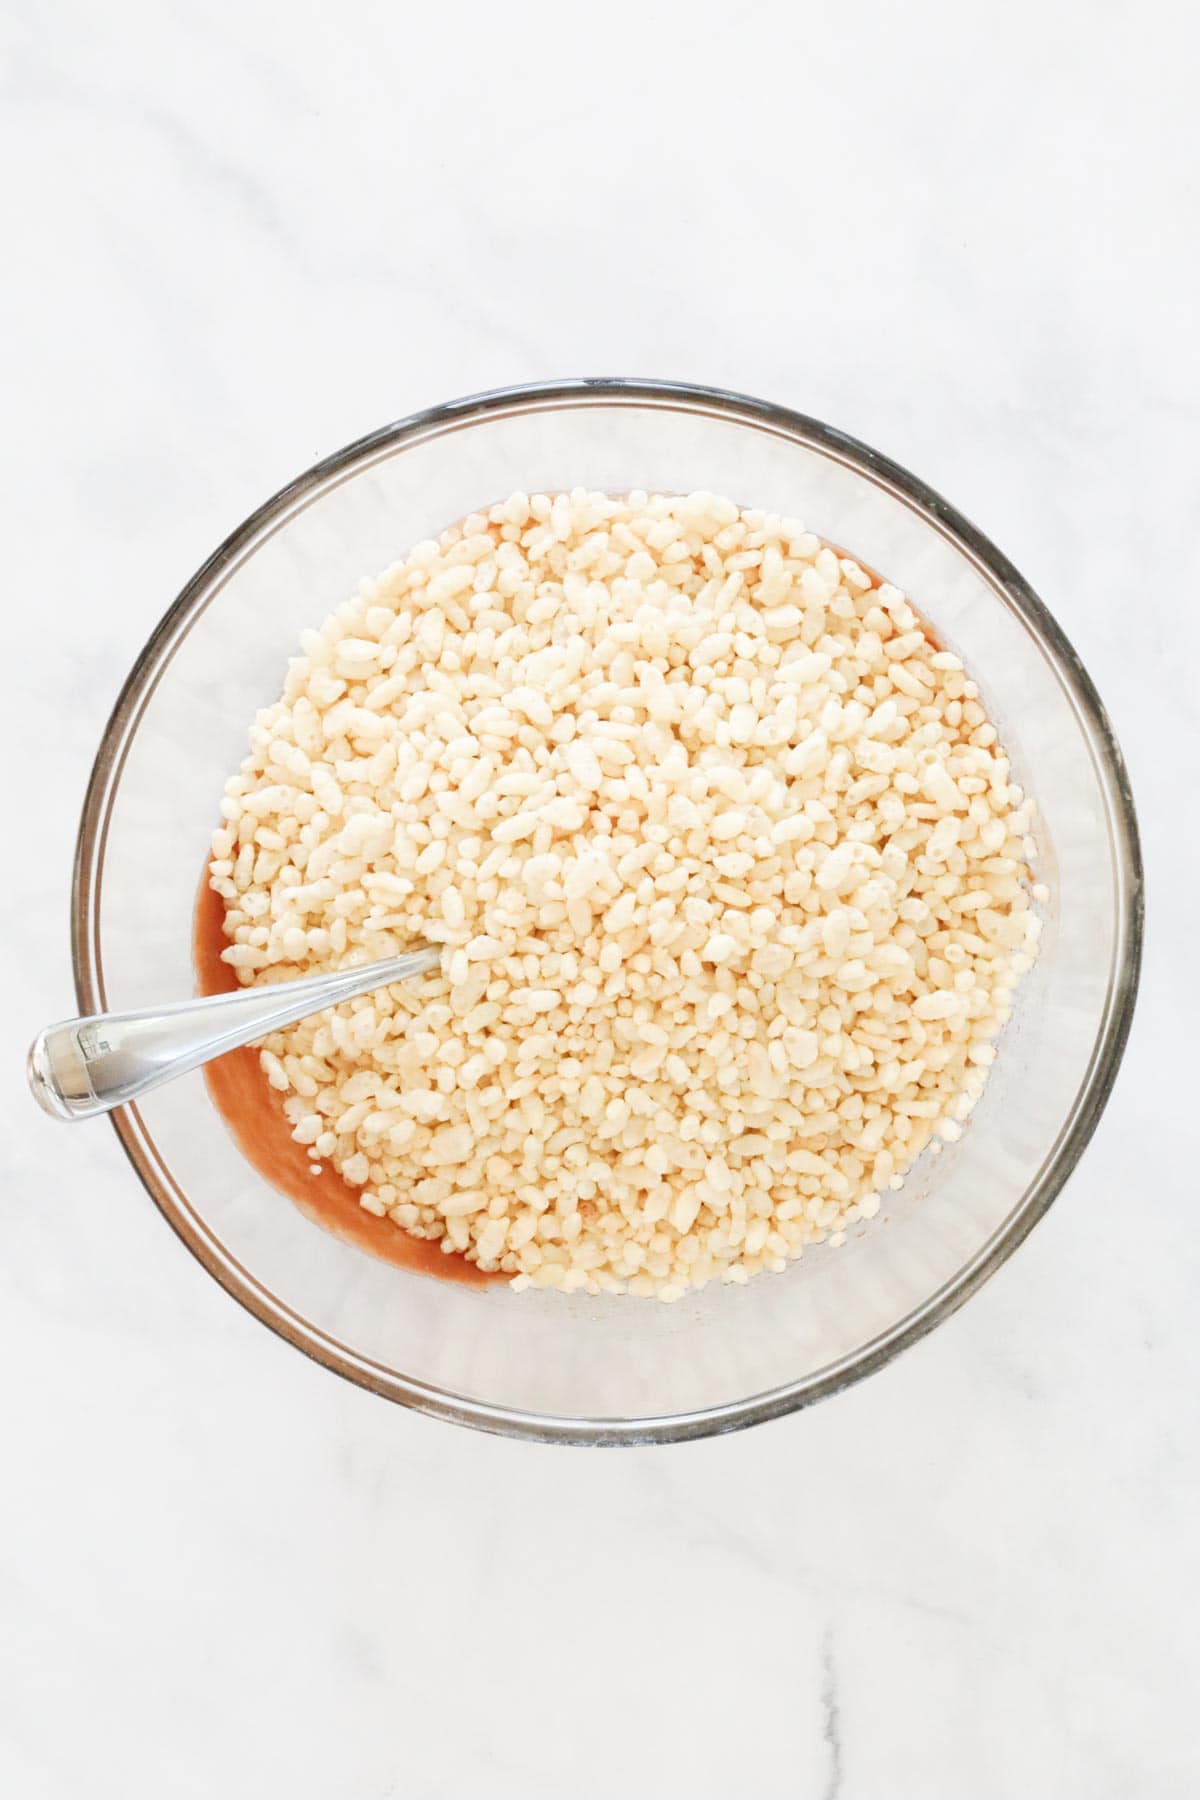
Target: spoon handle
[82,1067]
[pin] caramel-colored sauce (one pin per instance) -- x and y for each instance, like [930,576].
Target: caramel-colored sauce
[253,1112]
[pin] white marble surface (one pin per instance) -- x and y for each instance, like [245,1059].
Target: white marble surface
[236,238]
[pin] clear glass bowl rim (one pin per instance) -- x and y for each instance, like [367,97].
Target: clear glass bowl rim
[122,726]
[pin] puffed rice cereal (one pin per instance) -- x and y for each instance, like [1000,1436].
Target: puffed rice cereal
[731,876]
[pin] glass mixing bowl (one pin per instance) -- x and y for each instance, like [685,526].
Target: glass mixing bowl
[543,1365]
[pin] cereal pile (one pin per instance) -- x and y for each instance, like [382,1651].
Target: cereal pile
[731,877]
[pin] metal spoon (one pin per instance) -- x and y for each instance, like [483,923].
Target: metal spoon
[82,1067]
